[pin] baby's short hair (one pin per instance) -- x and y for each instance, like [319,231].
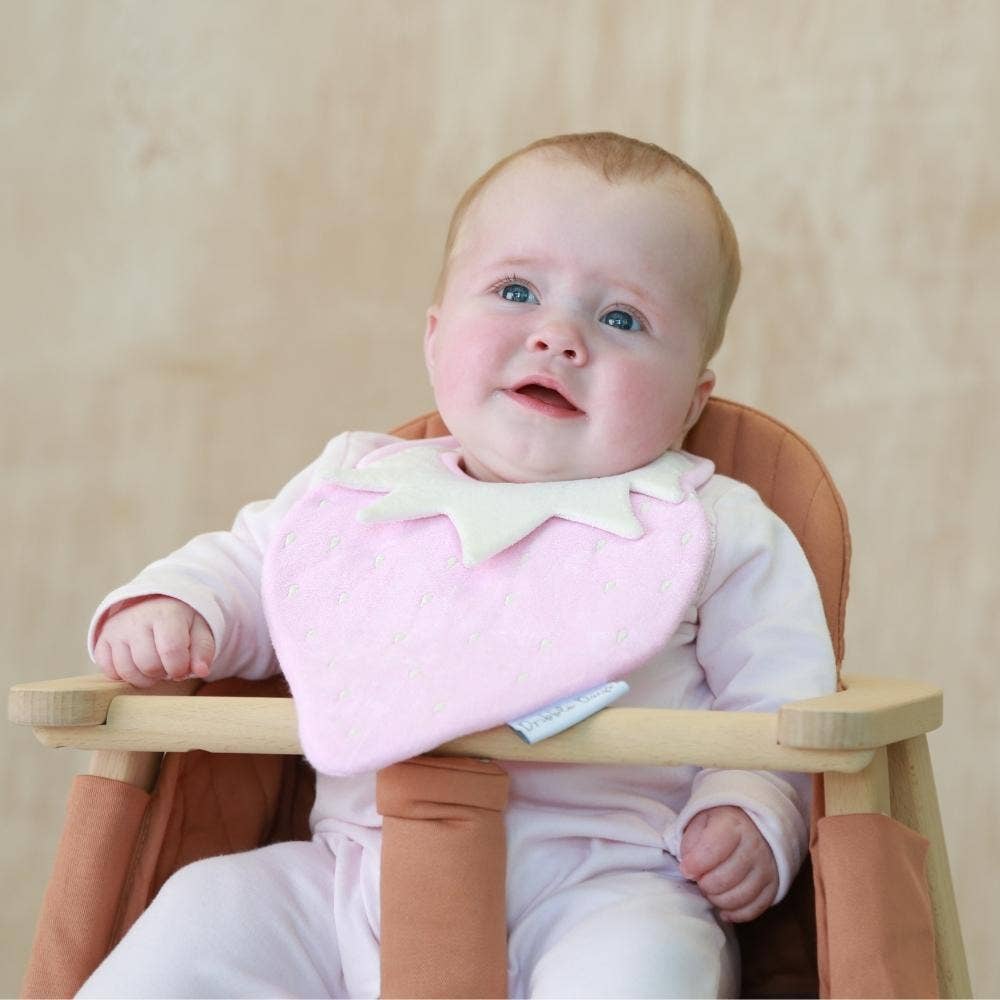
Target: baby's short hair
[619,158]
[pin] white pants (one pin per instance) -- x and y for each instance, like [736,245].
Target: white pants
[269,923]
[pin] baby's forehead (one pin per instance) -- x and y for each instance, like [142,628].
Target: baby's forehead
[546,170]
[670,198]
[674,207]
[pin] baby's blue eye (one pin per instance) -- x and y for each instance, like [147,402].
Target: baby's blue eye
[518,293]
[621,320]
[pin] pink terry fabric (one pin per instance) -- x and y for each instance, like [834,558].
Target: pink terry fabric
[391,646]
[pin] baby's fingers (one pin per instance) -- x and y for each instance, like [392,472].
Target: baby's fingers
[126,668]
[727,876]
[172,638]
[742,909]
[103,658]
[705,845]
[202,647]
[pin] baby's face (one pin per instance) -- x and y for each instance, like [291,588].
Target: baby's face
[568,341]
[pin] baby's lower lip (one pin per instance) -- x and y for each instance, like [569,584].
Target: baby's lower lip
[540,406]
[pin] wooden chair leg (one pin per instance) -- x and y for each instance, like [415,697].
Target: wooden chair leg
[915,804]
[136,767]
[867,791]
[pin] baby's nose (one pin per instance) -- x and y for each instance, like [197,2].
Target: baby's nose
[560,338]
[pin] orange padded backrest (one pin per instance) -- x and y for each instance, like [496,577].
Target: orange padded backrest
[790,477]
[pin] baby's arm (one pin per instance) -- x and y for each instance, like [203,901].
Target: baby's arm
[213,583]
[762,642]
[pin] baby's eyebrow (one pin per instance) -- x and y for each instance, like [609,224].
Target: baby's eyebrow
[511,262]
[638,292]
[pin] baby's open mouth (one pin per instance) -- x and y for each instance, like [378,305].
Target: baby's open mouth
[551,397]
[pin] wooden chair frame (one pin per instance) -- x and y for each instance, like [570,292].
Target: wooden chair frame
[868,741]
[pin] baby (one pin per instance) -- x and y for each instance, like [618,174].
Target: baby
[585,286]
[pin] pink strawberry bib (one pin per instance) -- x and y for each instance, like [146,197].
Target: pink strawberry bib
[410,604]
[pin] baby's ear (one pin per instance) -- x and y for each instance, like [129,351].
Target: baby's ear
[432,319]
[706,383]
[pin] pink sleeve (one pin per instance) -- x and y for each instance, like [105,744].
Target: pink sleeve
[762,642]
[218,573]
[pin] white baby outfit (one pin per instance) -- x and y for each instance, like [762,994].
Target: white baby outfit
[722,613]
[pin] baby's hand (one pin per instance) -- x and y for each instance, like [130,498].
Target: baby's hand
[153,639]
[727,856]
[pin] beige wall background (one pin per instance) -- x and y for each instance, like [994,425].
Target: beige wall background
[219,228]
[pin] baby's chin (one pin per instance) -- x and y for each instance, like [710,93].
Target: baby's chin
[493,467]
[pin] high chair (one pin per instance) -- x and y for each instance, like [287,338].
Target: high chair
[876,916]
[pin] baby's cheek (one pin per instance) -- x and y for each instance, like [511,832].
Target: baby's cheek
[445,380]
[466,358]
[455,375]
[651,410]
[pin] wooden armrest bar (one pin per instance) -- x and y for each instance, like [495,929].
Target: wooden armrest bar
[872,712]
[68,701]
[833,733]
[662,737]
[169,723]
[78,701]
[614,736]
